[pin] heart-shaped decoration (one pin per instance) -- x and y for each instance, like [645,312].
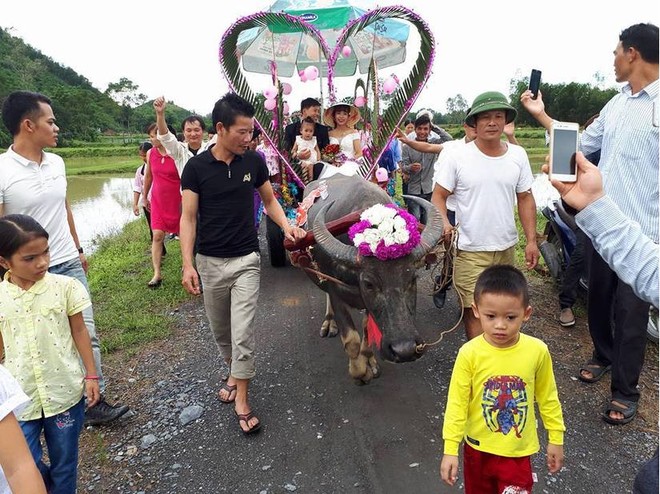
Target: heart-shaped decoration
[382,126]
[230,57]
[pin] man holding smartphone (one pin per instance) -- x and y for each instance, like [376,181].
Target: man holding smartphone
[626,133]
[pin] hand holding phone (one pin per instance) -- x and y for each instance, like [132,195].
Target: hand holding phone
[563,148]
[535,82]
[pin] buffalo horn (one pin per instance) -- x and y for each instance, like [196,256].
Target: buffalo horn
[328,243]
[433,229]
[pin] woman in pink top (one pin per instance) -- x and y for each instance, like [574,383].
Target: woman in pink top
[162,196]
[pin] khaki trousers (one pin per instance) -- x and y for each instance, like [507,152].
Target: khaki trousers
[468,265]
[231,290]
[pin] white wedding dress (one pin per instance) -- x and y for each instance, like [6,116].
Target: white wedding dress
[350,166]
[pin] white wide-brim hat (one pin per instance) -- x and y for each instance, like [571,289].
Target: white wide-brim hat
[353,114]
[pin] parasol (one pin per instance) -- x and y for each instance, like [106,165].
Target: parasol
[293,50]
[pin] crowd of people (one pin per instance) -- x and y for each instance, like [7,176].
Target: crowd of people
[210,194]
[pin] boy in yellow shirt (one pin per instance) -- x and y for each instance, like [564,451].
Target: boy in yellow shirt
[497,378]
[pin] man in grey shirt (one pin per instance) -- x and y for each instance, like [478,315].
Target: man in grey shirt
[420,165]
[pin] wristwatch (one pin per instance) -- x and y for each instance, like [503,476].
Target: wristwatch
[80,250]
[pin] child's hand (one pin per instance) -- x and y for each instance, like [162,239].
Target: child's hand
[92,392]
[449,469]
[555,457]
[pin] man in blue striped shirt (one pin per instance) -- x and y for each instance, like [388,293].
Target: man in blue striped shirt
[626,132]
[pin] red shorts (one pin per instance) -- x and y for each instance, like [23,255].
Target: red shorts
[486,473]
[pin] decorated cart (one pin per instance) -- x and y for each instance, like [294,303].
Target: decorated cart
[321,41]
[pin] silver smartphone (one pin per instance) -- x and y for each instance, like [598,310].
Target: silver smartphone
[564,138]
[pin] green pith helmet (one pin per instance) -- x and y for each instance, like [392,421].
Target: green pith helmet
[491,100]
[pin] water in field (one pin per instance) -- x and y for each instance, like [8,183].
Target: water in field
[101,206]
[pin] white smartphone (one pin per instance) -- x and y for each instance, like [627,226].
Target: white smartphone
[563,147]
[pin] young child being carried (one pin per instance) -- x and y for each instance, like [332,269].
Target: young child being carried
[307,141]
[43,338]
[497,379]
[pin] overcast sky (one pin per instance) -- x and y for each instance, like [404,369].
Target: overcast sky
[481,45]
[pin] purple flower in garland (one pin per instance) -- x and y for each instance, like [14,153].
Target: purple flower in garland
[386,232]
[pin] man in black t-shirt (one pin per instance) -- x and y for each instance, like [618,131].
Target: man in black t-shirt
[218,211]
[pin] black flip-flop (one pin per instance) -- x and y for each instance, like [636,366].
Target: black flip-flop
[230,389]
[245,417]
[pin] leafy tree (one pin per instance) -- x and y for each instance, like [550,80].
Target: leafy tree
[126,94]
[573,102]
[457,108]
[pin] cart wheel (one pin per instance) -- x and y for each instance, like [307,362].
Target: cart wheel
[275,237]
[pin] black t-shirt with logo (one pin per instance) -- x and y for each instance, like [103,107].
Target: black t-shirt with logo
[225,220]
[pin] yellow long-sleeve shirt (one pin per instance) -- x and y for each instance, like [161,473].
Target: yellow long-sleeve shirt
[492,394]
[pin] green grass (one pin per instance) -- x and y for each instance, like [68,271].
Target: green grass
[127,313]
[101,165]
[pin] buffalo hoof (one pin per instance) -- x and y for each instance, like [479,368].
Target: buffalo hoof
[329,329]
[361,370]
[365,379]
[375,368]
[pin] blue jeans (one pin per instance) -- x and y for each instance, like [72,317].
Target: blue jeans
[61,433]
[74,269]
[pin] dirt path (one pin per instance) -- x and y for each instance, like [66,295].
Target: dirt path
[323,434]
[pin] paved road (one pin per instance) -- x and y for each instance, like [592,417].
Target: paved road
[324,434]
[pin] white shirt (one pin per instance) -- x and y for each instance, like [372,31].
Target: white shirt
[39,191]
[485,188]
[12,399]
[451,200]
[179,151]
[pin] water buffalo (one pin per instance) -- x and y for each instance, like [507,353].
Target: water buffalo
[387,290]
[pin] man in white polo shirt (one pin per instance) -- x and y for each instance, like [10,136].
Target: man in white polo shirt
[488,177]
[33,182]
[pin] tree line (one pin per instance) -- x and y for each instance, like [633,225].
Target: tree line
[84,113]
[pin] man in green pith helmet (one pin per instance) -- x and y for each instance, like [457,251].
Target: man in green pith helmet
[487,176]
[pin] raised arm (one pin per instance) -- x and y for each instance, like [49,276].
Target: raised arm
[536,108]
[618,239]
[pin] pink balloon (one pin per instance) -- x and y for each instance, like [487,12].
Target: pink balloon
[360,101]
[270,104]
[311,72]
[270,92]
[346,51]
[303,76]
[286,88]
[390,85]
[285,108]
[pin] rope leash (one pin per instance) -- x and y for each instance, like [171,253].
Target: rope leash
[448,266]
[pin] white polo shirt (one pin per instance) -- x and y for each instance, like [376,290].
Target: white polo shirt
[39,191]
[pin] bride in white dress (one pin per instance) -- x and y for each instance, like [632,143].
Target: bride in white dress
[342,118]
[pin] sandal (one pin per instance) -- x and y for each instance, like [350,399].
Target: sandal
[229,389]
[155,283]
[245,417]
[628,411]
[596,369]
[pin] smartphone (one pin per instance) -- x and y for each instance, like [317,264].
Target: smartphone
[563,147]
[535,82]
